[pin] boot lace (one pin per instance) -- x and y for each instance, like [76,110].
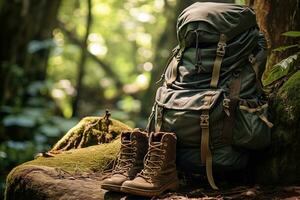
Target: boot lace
[152,161]
[126,158]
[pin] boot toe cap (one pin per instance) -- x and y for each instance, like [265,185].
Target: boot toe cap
[113,183]
[138,183]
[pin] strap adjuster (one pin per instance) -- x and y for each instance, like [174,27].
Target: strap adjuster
[252,59]
[221,49]
[226,103]
[204,120]
[178,56]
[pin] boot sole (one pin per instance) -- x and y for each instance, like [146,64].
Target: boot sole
[109,187]
[150,193]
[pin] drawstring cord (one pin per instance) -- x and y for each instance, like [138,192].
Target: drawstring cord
[197,54]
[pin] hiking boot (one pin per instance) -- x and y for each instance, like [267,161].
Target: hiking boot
[159,173]
[134,147]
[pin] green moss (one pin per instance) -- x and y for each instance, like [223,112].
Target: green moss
[287,103]
[90,131]
[282,162]
[89,159]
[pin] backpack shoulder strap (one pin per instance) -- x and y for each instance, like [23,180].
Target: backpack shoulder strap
[255,68]
[230,105]
[218,61]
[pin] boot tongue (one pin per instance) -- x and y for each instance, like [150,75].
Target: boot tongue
[155,140]
[154,155]
[125,137]
[154,151]
[156,137]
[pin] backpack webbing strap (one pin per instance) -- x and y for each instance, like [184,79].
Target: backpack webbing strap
[231,105]
[255,68]
[218,61]
[259,111]
[206,156]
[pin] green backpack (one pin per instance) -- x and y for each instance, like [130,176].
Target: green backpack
[212,96]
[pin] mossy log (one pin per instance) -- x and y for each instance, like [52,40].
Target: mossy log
[90,131]
[69,171]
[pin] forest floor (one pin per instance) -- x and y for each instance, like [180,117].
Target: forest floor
[64,185]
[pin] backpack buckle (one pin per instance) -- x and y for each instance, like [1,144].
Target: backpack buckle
[221,49]
[226,103]
[204,120]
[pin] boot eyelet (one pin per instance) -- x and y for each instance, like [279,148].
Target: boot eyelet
[163,157]
[164,151]
[161,162]
[134,149]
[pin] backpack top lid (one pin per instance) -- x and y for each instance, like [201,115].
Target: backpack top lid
[215,19]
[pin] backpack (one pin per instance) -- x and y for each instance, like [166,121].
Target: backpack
[212,96]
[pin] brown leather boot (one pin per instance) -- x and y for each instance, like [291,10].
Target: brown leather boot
[134,147]
[159,173]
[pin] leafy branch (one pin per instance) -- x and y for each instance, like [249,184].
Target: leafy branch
[105,66]
[285,68]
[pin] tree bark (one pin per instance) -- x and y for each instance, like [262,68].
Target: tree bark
[274,18]
[81,64]
[23,22]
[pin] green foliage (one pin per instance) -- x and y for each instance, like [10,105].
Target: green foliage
[242,2]
[282,69]
[30,129]
[123,35]
[292,34]
[284,48]
[286,66]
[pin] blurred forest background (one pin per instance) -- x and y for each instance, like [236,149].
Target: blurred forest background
[63,60]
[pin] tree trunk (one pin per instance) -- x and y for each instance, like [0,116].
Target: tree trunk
[25,40]
[81,64]
[274,18]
